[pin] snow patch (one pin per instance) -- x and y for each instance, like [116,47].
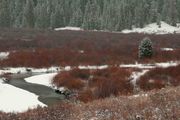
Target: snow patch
[151,81]
[136,75]
[69,28]
[4,55]
[150,66]
[138,65]
[13,99]
[178,25]
[44,79]
[93,67]
[155,29]
[81,51]
[167,49]
[139,95]
[167,64]
[67,68]
[25,70]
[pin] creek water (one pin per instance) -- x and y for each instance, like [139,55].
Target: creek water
[46,94]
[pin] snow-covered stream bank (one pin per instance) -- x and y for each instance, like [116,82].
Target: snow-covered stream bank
[13,99]
[44,79]
[19,95]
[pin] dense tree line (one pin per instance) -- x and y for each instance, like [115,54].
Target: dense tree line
[90,14]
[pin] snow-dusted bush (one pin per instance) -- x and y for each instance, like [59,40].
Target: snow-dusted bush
[145,48]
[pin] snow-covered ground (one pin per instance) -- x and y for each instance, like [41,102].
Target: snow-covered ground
[93,67]
[155,29]
[81,51]
[44,79]
[178,25]
[4,55]
[152,28]
[167,49]
[13,99]
[69,28]
[47,70]
[67,68]
[149,66]
[167,64]
[136,75]
[25,70]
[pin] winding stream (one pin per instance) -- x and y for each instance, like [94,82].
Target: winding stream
[46,94]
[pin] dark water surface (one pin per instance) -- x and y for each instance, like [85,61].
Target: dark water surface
[46,94]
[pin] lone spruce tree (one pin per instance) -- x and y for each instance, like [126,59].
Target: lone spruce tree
[145,48]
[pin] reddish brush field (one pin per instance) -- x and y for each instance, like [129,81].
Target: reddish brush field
[162,104]
[96,84]
[160,78]
[81,47]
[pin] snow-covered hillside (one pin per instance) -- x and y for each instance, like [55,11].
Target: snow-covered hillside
[155,29]
[148,29]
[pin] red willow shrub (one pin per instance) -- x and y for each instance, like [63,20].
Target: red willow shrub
[95,84]
[66,80]
[86,96]
[111,81]
[160,77]
[73,79]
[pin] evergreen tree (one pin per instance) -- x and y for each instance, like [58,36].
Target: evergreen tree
[28,15]
[113,15]
[57,17]
[178,10]
[110,19]
[17,13]
[154,11]
[139,15]
[173,12]
[77,15]
[4,13]
[158,20]
[76,19]
[41,13]
[91,17]
[145,48]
